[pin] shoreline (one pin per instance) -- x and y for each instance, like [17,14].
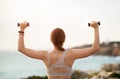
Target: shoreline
[107,71]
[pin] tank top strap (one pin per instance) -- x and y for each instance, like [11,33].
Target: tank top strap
[48,57]
[64,53]
[63,56]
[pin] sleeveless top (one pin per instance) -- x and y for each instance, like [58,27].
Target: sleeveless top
[59,64]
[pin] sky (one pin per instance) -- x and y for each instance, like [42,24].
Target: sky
[70,15]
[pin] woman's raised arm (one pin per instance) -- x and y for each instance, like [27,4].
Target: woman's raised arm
[41,54]
[81,53]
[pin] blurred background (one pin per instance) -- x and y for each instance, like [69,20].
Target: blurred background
[70,15]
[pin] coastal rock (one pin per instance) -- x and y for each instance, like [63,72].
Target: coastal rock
[108,71]
[77,74]
[111,67]
[107,75]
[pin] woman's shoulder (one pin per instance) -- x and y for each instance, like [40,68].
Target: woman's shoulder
[69,50]
[45,52]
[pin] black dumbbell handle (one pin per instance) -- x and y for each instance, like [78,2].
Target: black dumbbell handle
[97,23]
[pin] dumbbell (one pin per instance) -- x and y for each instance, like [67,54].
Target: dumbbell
[19,24]
[97,23]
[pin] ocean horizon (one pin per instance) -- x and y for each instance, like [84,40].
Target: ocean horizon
[14,65]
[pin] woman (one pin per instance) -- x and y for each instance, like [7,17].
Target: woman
[59,61]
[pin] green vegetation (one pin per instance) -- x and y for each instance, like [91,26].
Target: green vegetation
[114,75]
[36,77]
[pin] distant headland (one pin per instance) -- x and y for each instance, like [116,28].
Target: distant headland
[106,48]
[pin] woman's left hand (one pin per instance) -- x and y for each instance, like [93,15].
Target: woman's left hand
[23,25]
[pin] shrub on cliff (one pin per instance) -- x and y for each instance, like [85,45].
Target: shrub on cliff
[114,75]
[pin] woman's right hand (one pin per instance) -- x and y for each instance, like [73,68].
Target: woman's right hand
[94,24]
[23,25]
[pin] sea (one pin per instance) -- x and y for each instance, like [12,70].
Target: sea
[14,65]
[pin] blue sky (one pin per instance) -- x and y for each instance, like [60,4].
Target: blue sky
[70,15]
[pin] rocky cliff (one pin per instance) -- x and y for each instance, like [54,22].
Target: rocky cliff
[109,48]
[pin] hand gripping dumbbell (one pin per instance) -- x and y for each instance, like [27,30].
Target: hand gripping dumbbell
[97,23]
[19,24]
